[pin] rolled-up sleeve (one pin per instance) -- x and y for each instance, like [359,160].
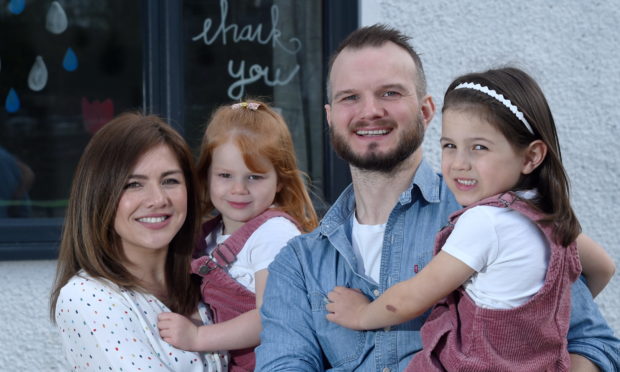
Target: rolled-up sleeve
[589,334]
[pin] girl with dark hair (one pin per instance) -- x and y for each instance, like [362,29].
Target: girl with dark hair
[126,249]
[506,262]
[255,200]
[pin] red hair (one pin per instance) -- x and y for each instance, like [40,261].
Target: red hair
[258,133]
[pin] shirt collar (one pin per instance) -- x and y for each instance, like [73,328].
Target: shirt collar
[427,181]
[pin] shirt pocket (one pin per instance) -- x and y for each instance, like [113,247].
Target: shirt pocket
[340,345]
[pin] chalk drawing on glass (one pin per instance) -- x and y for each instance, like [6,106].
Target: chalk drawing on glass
[246,73]
[16,6]
[56,20]
[70,61]
[11,104]
[37,78]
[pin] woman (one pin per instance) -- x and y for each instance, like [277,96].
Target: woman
[125,251]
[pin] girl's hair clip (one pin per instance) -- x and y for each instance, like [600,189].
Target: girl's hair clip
[249,105]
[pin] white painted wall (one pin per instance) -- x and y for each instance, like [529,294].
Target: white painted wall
[571,47]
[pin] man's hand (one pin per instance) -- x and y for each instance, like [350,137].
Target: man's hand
[346,307]
[178,331]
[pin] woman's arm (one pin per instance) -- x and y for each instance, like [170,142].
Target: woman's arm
[401,302]
[597,266]
[240,332]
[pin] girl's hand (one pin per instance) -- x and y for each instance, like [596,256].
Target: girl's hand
[346,307]
[178,331]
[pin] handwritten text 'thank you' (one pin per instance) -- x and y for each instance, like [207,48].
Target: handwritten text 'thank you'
[250,33]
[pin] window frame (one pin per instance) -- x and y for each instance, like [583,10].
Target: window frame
[163,94]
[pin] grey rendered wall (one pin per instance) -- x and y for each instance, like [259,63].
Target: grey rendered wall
[572,48]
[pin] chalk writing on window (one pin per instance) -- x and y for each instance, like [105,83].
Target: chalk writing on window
[241,71]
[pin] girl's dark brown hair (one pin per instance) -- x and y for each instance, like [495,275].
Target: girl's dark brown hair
[89,241]
[550,178]
[258,133]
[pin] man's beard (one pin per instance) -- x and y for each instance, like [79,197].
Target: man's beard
[410,140]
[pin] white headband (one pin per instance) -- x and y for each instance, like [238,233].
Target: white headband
[506,102]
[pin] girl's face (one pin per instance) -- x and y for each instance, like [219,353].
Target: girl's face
[153,205]
[477,160]
[236,192]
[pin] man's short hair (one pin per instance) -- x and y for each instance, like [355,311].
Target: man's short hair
[375,36]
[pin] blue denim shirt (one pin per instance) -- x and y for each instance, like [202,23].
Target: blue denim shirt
[296,335]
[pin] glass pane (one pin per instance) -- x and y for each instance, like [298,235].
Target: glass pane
[270,50]
[66,68]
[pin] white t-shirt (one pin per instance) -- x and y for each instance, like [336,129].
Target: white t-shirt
[507,250]
[258,251]
[106,328]
[367,241]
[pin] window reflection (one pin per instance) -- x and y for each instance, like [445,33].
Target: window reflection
[66,69]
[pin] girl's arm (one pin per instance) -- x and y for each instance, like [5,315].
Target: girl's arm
[597,266]
[237,333]
[401,302]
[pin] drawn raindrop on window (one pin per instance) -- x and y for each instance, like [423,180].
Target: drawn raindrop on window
[17,6]
[56,21]
[70,61]
[12,101]
[37,78]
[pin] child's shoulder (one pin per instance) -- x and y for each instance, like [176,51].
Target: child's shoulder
[498,217]
[280,222]
[275,228]
[486,211]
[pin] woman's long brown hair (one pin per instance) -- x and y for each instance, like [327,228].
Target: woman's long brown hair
[89,241]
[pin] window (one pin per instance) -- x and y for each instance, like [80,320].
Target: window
[64,72]
[267,49]
[71,66]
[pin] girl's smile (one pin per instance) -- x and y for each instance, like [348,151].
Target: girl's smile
[477,160]
[238,193]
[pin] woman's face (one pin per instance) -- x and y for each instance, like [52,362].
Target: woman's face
[153,205]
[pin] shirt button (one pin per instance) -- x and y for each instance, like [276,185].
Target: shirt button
[376,293]
[386,369]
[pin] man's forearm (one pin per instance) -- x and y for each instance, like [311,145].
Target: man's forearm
[580,363]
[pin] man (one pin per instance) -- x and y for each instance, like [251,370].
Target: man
[381,229]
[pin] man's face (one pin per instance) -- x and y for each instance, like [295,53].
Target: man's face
[375,118]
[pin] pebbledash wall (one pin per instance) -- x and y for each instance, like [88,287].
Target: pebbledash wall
[570,47]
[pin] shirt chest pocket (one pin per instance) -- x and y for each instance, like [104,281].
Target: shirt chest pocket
[340,345]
